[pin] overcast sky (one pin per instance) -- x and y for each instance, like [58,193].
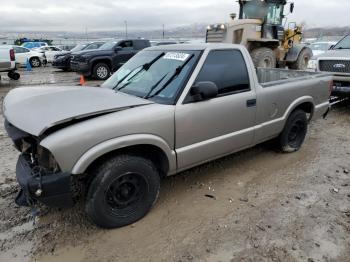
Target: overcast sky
[105,15]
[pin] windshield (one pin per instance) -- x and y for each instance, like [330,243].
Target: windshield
[155,75]
[108,45]
[344,43]
[79,47]
[255,9]
[320,46]
[274,14]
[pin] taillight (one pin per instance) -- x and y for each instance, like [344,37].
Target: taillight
[12,55]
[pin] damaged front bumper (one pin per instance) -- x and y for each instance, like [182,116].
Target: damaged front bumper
[51,189]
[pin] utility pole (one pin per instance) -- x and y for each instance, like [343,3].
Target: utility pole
[126,29]
[163,31]
[86,34]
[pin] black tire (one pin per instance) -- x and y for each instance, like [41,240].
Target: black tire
[294,132]
[264,57]
[14,75]
[35,62]
[303,60]
[101,71]
[123,191]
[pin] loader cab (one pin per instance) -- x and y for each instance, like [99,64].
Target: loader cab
[270,12]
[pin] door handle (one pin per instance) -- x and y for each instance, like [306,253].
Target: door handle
[251,103]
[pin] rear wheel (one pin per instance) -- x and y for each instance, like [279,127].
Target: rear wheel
[101,71]
[264,57]
[294,133]
[303,60]
[123,191]
[14,75]
[35,62]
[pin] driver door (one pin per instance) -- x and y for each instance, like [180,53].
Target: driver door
[125,53]
[207,130]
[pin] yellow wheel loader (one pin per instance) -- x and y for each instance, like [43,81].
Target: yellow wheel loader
[260,28]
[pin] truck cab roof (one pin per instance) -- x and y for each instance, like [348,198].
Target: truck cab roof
[194,47]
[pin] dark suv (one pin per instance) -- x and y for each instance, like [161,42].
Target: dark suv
[62,60]
[100,63]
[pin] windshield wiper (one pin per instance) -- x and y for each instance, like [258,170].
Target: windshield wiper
[155,86]
[146,67]
[176,73]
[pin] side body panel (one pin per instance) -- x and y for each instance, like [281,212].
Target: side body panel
[147,123]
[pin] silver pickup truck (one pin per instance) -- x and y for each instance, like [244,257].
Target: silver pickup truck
[168,109]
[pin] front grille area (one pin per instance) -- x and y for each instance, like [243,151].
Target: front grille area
[336,66]
[215,35]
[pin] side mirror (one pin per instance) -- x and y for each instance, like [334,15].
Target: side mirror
[291,8]
[117,49]
[204,91]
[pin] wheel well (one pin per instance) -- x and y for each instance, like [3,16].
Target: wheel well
[307,107]
[105,61]
[151,152]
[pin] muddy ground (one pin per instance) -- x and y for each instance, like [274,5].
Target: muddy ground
[262,206]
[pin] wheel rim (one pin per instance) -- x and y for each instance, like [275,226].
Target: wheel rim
[35,62]
[296,133]
[267,63]
[126,191]
[102,72]
[306,62]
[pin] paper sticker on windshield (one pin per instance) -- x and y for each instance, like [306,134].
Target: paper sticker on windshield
[176,56]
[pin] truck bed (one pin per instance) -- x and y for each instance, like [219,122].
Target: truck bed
[271,76]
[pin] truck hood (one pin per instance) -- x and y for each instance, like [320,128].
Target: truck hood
[337,53]
[36,109]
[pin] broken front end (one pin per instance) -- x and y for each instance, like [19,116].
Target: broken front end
[38,174]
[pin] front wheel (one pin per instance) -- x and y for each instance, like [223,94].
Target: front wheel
[303,60]
[101,71]
[294,133]
[123,191]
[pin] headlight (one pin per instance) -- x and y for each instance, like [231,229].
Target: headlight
[312,64]
[46,159]
[208,27]
[222,27]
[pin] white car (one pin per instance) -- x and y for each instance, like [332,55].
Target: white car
[36,59]
[7,62]
[49,51]
[321,47]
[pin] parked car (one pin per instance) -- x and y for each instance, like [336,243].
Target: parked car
[8,62]
[32,45]
[100,63]
[321,47]
[36,59]
[49,51]
[166,110]
[62,60]
[337,62]
[66,47]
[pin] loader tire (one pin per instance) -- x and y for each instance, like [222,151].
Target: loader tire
[264,57]
[303,60]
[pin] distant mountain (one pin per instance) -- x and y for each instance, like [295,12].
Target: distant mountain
[187,31]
